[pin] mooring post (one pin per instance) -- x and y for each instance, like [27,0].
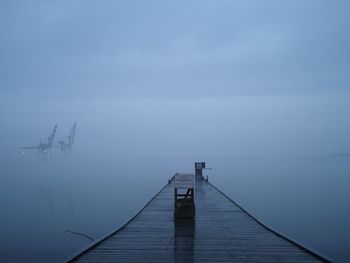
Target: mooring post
[199,166]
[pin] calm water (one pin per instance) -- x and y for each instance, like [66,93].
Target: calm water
[305,198]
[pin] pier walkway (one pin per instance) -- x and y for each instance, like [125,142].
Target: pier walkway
[222,232]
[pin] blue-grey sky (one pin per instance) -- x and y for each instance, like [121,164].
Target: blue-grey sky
[174,48]
[178,78]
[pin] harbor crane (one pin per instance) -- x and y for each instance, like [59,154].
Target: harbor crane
[66,143]
[44,148]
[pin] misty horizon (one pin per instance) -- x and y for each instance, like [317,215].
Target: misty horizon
[257,89]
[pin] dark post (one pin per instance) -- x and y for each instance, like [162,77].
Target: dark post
[199,166]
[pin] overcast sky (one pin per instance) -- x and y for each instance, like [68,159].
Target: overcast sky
[174,48]
[205,77]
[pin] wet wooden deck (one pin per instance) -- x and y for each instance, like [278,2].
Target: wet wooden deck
[222,232]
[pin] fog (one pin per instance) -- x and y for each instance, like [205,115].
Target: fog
[258,90]
[173,49]
[281,157]
[184,127]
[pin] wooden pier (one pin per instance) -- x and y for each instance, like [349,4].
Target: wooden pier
[222,232]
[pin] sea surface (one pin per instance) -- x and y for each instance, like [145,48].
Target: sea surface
[43,199]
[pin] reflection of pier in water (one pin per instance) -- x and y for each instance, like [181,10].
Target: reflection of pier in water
[222,232]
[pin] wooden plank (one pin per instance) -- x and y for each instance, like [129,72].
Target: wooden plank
[222,232]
